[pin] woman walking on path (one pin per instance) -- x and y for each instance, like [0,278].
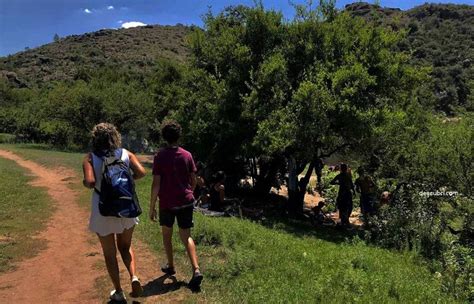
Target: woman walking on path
[113,232]
[174,179]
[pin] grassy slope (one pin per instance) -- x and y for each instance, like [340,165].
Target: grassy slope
[247,262]
[23,212]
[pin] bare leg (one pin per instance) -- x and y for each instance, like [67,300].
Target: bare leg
[167,235]
[185,235]
[110,255]
[124,244]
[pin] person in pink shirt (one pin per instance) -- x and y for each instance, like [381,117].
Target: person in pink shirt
[174,180]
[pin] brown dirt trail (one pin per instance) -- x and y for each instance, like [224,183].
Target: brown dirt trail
[68,270]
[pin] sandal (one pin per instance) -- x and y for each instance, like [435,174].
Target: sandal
[196,280]
[117,296]
[168,270]
[137,289]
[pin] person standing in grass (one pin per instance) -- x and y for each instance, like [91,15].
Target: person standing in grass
[344,196]
[365,185]
[318,169]
[174,180]
[113,232]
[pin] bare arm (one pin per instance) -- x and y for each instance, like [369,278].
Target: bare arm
[222,193]
[155,190]
[137,168]
[88,171]
[357,185]
[193,181]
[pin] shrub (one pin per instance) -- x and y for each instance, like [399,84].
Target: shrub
[438,228]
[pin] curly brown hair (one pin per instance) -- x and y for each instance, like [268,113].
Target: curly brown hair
[105,137]
[171,131]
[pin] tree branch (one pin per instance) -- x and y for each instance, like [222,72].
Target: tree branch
[337,149]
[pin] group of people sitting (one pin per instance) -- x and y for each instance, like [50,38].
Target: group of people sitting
[211,195]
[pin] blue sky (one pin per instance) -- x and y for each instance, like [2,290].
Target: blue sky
[30,23]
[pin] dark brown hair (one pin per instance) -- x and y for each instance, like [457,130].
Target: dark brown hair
[171,131]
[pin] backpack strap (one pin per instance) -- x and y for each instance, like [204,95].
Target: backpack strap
[107,159]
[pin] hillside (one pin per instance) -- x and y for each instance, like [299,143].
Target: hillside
[62,60]
[439,35]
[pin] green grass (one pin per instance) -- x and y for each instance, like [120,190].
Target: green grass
[24,210]
[282,262]
[246,262]
[7,138]
[44,155]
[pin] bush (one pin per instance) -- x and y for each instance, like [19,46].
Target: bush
[439,228]
[7,138]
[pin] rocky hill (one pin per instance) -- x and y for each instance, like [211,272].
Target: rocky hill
[62,60]
[438,35]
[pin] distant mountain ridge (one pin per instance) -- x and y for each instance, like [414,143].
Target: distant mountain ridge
[439,35]
[137,47]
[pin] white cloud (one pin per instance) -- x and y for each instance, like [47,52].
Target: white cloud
[120,21]
[132,24]
[110,7]
[87,11]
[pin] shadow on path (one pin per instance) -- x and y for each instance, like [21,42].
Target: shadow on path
[158,286]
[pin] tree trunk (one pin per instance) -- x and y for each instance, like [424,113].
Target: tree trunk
[267,176]
[297,192]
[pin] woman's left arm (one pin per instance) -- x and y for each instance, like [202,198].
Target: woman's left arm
[138,170]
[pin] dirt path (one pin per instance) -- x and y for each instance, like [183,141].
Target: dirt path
[71,269]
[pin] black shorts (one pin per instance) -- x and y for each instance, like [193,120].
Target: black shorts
[184,217]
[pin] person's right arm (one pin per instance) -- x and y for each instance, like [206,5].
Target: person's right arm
[193,181]
[335,181]
[88,171]
[155,186]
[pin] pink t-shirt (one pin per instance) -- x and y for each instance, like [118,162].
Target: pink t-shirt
[175,166]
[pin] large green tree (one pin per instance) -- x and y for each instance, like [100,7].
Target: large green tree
[301,89]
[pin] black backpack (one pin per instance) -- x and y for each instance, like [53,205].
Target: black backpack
[117,196]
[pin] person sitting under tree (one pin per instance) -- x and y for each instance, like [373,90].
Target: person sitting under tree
[201,192]
[217,192]
[344,196]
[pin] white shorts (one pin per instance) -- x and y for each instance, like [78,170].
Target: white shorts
[105,225]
